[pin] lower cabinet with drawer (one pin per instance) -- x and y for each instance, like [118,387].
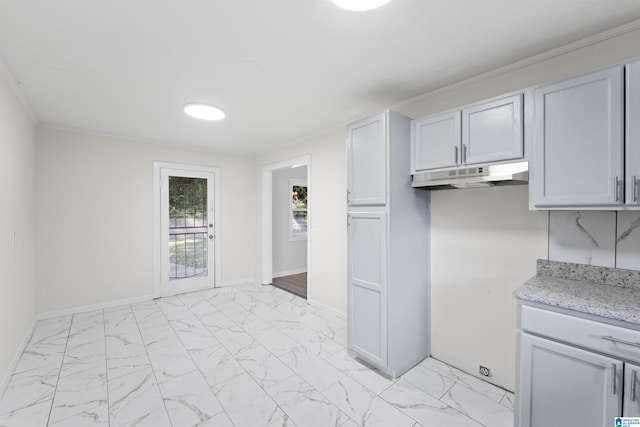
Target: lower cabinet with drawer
[575,371]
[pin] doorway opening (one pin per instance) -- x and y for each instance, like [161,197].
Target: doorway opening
[286,230]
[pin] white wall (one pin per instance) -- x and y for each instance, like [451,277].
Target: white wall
[289,257]
[95,216]
[327,269]
[17,215]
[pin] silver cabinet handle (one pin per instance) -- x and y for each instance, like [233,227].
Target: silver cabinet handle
[635,188]
[464,153]
[613,378]
[619,341]
[455,154]
[615,187]
[633,385]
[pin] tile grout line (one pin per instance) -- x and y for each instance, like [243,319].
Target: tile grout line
[64,354]
[153,371]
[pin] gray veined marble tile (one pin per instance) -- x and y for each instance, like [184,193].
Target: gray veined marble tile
[30,388]
[190,299]
[628,240]
[46,346]
[478,407]
[170,362]
[363,405]
[189,400]
[216,321]
[433,381]
[35,415]
[135,397]
[424,408]
[305,405]
[217,365]
[220,420]
[462,378]
[312,369]
[283,422]
[267,313]
[265,368]
[78,393]
[360,372]
[247,404]
[235,312]
[198,304]
[289,297]
[508,401]
[312,340]
[275,341]
[157,418]
[583,237]
[126,353]
[98,416]
[236,340]
[220,295]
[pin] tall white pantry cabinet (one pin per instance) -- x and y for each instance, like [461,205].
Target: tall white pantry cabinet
[388,235]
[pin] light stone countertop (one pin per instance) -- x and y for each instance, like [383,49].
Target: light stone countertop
[616,294]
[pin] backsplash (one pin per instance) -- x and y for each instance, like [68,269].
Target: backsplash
[602,238]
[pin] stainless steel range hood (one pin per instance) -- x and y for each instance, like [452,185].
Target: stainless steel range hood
[482,176]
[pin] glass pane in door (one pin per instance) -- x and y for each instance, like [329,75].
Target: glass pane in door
[188,242]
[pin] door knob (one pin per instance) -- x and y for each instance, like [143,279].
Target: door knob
[211,236]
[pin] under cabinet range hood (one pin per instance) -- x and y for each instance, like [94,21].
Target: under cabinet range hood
[480,176]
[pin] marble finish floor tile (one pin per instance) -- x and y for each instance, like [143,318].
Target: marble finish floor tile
[247,355]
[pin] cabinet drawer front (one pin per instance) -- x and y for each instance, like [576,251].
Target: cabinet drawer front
[596,336]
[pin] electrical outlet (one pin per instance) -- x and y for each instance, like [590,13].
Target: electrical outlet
[484,371]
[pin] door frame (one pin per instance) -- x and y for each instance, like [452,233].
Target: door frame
[157,226]
[267,217]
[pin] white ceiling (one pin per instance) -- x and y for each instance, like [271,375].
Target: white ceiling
[281,69]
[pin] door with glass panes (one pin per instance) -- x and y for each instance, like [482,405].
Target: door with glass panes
[187,230]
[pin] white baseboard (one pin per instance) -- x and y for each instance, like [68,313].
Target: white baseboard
[4,381]
[334,310]
[289,272]
[249,280]
[92,307]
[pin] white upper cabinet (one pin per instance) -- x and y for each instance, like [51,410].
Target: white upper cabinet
[492,131]
[632,155]
[578,141]
[486,132]
[435,141]
[367,162]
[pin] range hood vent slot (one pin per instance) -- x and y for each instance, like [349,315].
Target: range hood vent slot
[483,176]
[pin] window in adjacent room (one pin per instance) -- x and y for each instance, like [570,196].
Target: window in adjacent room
[298,205]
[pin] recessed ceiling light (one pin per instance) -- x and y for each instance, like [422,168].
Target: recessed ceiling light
[359,5]
[204,111]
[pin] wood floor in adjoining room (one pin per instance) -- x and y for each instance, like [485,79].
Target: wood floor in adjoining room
[295,283]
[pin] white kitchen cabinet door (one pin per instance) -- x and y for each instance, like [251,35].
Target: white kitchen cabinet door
[578,141]
[493,130]
[631,405]
[561,385]
[632,157]
[435,142]
[367,162]
[367,287]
